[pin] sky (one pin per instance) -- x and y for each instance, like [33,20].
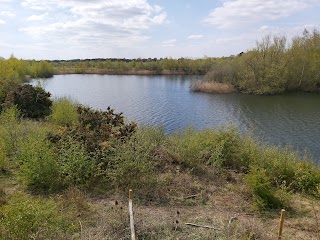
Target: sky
[72,29]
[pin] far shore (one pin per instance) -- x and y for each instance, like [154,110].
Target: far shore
[117,72]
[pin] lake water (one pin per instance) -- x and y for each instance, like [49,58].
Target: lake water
[167,101]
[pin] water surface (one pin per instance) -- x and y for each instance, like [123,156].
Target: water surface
[167,101]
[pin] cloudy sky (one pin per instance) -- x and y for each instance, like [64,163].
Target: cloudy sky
[56,29]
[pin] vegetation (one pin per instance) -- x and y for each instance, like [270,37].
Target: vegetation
[46,166]
[273,66]
[14,72]
[135,66]
[65,169]
[32,102]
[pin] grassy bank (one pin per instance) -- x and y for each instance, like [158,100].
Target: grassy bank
[67,177]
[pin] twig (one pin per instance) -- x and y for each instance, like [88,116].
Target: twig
[231,220]
[203,226]
[80,228]
[192,196]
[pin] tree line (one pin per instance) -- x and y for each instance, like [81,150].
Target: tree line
[158,66]
[274,66]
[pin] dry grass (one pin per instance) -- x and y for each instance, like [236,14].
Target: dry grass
[226,208]
[212,87]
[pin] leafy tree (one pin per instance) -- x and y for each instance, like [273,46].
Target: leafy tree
[32,102]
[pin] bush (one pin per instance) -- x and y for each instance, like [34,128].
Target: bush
[9,131]
[264,196]
[64,112]
[75,165]
[39,169]
[220,148]
[32,102]
[307,179]
[95,129]
[25,217]
[133,165]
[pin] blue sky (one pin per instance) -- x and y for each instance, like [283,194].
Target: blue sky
[55,29]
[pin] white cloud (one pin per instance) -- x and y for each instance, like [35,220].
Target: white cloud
[7,14]
[111,21]
[37,17]
[2,22]
[169,43]
[195,37]
[238,12]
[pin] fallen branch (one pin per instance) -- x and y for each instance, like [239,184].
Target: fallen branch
[192,196]
[203,226]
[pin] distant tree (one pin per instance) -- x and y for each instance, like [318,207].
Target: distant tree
[32,102]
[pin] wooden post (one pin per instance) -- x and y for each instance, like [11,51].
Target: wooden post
[281,224]
[133,234]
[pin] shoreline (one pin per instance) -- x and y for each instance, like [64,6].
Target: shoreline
[118,72]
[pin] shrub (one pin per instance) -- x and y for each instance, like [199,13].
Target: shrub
[133,166]
[25,217]
[220,148]
[32,102]
[9,131]
[307,178]
[264,196]
[64,112]
[39,169]
[75,165]
[96,128]
[4,163]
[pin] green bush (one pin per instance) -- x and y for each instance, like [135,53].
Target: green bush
[4,163]
[75,165]
[307,178]
[64,112]
[133,165]
[40,170]
[264,195]
[9,131]
[32,102]
[24,217]
[222,148]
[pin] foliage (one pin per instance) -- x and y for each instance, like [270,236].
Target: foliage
[118,66]
[133,165]
[76,167]
[264,195]
[9,131]
[14,72]
[32,102]
[64,112]
[25,217]
[96,128]
[220,148]
[42,69]
[273,66]
[39,169]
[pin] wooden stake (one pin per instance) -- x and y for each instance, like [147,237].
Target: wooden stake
[281,224]
[133,234]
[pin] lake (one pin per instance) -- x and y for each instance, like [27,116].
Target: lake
[291,119]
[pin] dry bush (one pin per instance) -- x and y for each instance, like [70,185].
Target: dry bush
[212,87]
